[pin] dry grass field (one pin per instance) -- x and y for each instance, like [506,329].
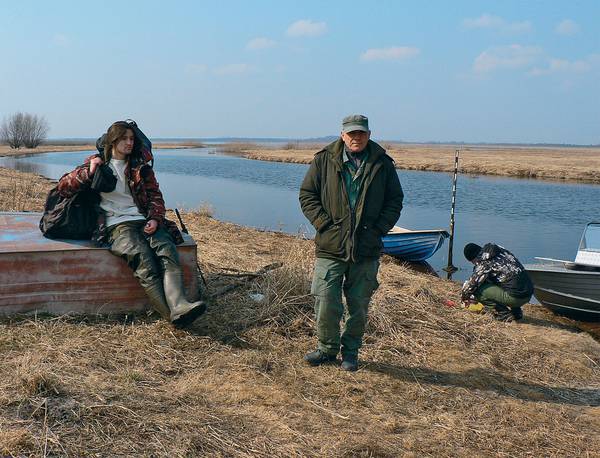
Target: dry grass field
[434,381]
[555,163]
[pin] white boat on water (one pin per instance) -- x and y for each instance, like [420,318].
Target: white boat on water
[571,287]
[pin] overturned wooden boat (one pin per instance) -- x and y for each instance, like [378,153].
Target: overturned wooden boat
[70,276]
[571,288]
[412,245]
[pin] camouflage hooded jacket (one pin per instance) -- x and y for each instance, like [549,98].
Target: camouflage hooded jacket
[143,186]
[497,265]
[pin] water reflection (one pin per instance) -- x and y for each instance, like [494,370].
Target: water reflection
[24,166]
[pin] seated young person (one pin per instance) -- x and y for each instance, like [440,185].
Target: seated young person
[134,220]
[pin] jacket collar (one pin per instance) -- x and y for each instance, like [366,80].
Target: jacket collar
[335,151]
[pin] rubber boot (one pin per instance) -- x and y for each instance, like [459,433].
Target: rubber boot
[182,311]
[156,297]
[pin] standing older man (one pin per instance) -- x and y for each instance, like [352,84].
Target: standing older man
[351,194]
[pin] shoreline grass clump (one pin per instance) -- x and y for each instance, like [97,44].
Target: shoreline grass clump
[235,147]
[20,191]
[286,290]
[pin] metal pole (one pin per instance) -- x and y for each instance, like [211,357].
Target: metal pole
[450,267]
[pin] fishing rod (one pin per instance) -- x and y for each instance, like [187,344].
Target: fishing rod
[450,268]
[183,228]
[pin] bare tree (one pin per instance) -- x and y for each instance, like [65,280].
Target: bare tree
[23,129]
[35,130]
[10,131]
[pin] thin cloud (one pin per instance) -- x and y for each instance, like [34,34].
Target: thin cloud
[506,57]
[563,65]
[485,21]
[306,28]
[392,53]
[196,68]
[233,69]
[519,27]
[489,21]
[260,43]
[61,40]
[567,27]
[567,66]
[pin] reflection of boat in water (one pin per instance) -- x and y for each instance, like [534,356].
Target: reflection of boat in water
[571,288]
[412,245]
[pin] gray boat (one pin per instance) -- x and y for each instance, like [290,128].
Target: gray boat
[571,288]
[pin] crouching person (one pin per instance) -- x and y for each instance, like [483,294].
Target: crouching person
[499,281]
[132,219]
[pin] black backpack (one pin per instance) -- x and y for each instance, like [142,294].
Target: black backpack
[76,217]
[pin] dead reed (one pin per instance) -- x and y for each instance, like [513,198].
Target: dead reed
[21,192]
[235,148]
[551,163]
[434,381]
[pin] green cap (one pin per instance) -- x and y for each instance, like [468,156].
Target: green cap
[355,122]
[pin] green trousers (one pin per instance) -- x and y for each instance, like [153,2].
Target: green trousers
[146,255]
[358,281]
[497,300]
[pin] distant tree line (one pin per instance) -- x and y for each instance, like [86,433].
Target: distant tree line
[23,129]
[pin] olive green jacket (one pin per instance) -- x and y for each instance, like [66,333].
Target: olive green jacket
[342,234]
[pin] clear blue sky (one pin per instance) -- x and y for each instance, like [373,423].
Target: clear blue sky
[494,71]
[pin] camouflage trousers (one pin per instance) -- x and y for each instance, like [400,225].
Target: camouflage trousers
[147,255]
[357,281]
[498,302]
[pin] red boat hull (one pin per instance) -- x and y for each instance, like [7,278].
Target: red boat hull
[70,276]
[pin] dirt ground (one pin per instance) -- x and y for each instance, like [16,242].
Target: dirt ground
[554,163]
[434,380]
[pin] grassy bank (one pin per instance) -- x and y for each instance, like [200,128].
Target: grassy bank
[435,381]
[553,163]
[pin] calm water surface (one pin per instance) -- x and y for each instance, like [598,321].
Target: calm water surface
[529,217]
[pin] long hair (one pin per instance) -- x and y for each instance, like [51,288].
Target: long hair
[115,133]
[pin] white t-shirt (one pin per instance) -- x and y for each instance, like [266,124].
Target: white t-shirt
[118,204]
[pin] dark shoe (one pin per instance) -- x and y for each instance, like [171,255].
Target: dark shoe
[349,363]
[505,316]
[188,316]
[517,313]
[318,357]
[500,312]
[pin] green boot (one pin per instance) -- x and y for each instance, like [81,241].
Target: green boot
[183,312]
[158,302]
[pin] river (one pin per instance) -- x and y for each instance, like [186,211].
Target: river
[529,217]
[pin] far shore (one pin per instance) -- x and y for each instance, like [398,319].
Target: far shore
[569,164]
[5,150]
[551,163]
